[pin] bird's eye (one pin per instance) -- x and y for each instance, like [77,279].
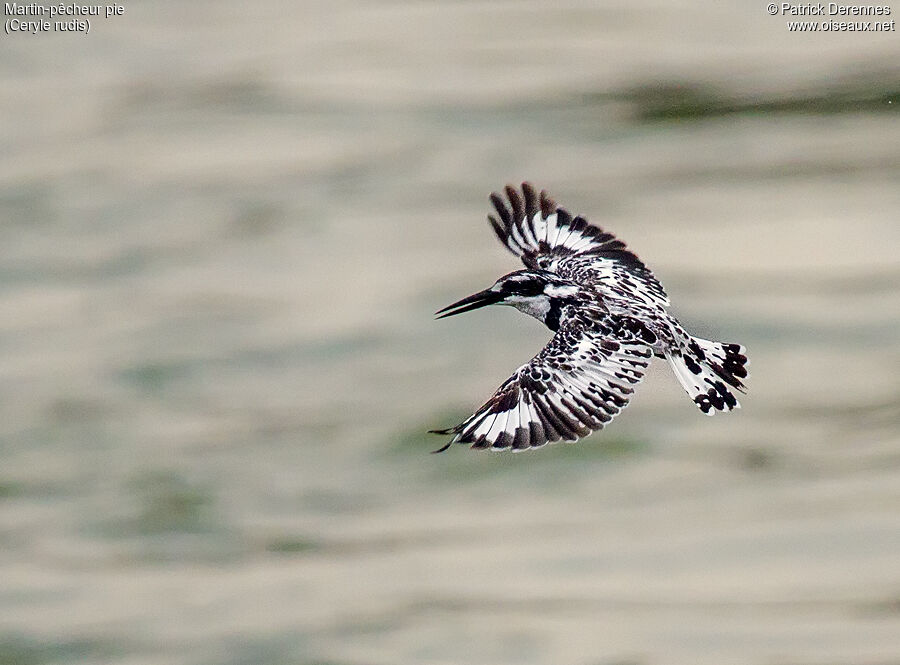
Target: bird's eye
[529,288]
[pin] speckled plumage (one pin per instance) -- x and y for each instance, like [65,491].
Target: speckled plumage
[609,315]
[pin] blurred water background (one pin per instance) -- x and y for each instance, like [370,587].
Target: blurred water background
[224,228]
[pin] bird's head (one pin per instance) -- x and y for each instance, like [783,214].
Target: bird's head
[538,293]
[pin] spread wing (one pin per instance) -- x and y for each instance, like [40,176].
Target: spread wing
[546,236]
[574,386]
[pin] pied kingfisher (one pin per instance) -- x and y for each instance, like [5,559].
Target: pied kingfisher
[608,313]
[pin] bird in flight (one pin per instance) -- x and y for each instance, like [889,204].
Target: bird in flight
[608,315]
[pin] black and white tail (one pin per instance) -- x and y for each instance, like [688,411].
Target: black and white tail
[708,371]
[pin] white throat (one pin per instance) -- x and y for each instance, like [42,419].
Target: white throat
[536,306]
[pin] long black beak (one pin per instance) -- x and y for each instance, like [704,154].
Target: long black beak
[480,299]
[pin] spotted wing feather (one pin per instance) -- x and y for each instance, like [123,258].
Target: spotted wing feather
[573,387]
[546,236]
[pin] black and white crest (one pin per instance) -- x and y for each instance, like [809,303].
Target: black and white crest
[609,315]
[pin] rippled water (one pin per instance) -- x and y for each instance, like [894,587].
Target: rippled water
[223,231]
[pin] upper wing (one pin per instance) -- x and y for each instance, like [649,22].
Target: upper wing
[574,386]
[546,236]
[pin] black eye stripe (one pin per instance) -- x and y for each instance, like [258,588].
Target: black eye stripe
[526,288]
